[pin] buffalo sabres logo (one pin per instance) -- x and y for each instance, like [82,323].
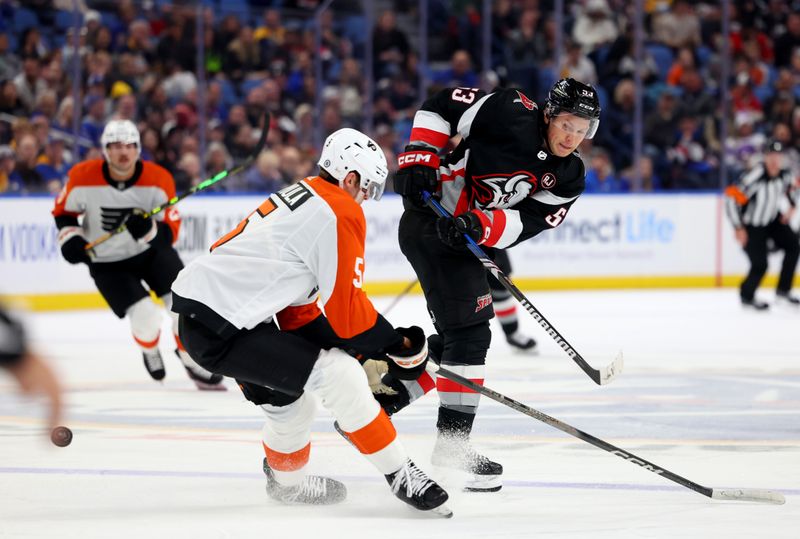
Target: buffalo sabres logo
[548,180]
[526,102]
[503,191]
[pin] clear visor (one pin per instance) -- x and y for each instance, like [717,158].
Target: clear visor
[576,125]
[373,190]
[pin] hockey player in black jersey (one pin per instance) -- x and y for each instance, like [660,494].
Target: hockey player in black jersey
[514,174]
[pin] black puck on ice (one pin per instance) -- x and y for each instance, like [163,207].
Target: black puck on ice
[61,436]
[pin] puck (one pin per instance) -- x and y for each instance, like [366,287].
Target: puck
[61,436]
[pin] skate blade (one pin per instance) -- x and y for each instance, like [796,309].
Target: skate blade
[442,511]
[484,483]
[202,386]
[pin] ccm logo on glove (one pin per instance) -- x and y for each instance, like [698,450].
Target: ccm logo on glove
[407,159]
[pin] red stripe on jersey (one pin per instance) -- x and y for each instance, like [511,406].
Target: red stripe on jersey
[498,226]
[505,312]
[287,462]
[462,205]
[449,386]
[452,175]
[429,136]
[426,382]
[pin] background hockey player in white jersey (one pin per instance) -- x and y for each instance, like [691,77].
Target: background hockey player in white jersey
[514,174]
[248,310]
[98,197]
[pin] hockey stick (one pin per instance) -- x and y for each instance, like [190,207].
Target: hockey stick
[734,494]
[205,184]
[600,377]
[400,296]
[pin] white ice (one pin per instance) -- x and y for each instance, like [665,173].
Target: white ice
[710,392]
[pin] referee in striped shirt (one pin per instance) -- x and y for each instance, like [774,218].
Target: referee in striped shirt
[760,206]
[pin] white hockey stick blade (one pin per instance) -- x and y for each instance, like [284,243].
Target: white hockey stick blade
[607,374]
[748,495]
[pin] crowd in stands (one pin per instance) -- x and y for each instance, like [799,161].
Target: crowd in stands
[64,73]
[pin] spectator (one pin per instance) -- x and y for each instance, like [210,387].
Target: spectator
[265,177]
[7,164]
[577,65]
[594,25]
[9,62]
[52,165]
[95,119]
[650,180]
[745,143]
[460,72]
[25,178]
[10,103]
[187,174]
[677,27]
[600,176]
[788,42]
[218,159]
[28,82]
[389,45]
[693,167]
[243,57]
[527,48]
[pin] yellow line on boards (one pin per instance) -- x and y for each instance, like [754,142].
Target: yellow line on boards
[93,300]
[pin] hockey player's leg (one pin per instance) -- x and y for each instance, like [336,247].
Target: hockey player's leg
[202,378]
[786,239]
[464,353]
[286,439]
[756,250]
[505,307]
[342,386]
[145,320]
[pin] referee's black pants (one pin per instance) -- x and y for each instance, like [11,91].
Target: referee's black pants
[756,249]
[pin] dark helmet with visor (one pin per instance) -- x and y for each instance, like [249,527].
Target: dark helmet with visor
[573,97]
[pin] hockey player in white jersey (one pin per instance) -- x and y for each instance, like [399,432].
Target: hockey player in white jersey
[249,310]
[99,196]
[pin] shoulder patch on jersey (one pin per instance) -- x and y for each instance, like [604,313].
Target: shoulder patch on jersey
[548,180]
[525,101]
[294,195]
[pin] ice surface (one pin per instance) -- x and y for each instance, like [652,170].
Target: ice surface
[709,391]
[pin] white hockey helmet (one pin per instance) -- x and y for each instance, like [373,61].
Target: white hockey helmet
[120,131]
[348,150]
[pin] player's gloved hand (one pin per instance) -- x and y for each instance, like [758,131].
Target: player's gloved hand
[417,172]
[140,226]
[74,250]
[375,370]
[451,230]
[406,362]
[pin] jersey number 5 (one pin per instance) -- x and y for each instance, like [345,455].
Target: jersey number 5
[358,280]
[554,219]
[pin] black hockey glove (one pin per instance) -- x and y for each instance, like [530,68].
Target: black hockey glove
[408,363]
[74,250]
[451,230]
[138,225]
[417,172]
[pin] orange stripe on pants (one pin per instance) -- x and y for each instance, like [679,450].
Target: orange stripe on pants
[178,342]
[147,344]
[287,462]
[376,435]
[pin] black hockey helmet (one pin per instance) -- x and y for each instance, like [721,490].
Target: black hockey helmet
[573,97]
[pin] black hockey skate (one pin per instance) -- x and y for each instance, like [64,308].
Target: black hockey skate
[520,342]
[457,453]
[154,364]
[786,298]
[411,485]
[314,490]
[203,379]
[755,304]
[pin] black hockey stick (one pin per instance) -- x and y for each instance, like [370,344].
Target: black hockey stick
[400,296]
[735,494]
[600,377]
[205,184]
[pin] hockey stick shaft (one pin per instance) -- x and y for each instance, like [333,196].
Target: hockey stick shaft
[205,184]
[400,296]
[756,495]
[599,377]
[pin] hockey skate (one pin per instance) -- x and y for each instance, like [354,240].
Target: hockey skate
[203,379]
[521,343]
[314,490]
[755,304]
[411,485]
[457,453]
[787,299]
[154,364]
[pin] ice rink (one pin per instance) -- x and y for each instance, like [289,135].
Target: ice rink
[709,392]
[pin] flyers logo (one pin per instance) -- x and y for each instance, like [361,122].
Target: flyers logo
[112,218]
[527,103]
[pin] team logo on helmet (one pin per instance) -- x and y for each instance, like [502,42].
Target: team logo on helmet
[548,180]
[526,102]
[503,190]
